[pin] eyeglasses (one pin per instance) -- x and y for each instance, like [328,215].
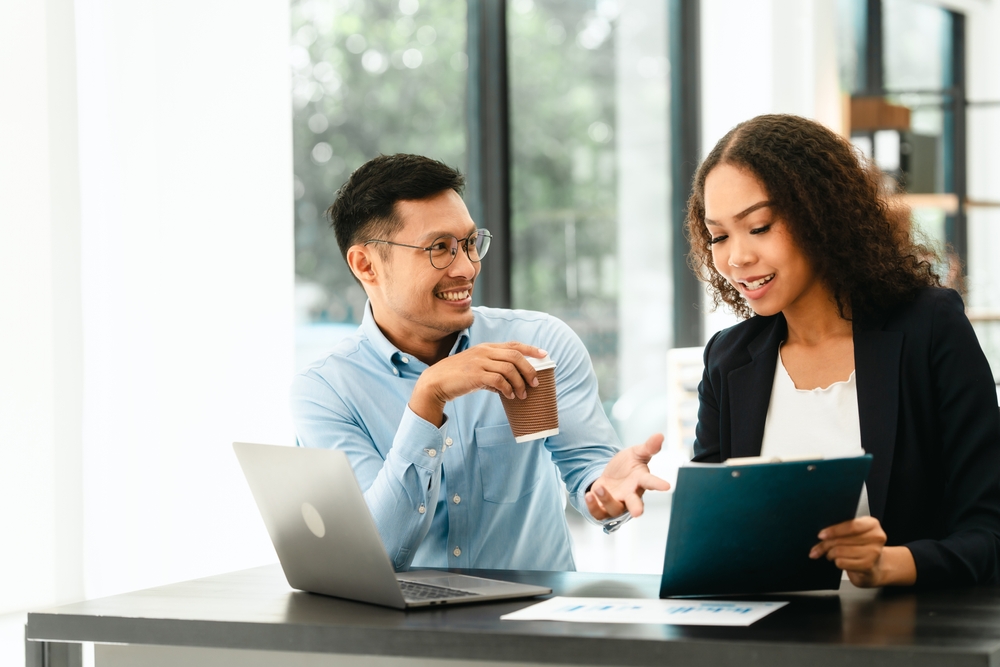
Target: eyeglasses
[444,249]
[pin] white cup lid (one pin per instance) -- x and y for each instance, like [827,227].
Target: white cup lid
[541,364]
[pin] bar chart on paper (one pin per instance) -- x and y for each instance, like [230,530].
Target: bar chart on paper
[632,610]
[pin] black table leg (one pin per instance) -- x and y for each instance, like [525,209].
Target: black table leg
[52,654]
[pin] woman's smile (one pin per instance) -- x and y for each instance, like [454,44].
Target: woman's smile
[752,287]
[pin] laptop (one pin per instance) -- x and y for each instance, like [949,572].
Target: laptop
[326,539]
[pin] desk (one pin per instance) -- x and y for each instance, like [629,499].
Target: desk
[251,618]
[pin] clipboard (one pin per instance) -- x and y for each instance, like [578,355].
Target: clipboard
[748,529]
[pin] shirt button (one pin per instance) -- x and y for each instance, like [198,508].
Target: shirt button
[457,552]
[448,441]
[421,509]
[456,499]
[395,371]
[431,452]
[405,360]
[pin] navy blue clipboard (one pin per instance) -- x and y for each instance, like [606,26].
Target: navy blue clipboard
[748,529]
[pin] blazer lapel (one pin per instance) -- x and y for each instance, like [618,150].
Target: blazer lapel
[876,363]
[750,389]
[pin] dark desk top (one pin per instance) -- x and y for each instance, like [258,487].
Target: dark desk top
[255,609]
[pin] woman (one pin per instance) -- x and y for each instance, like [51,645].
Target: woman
[854,348]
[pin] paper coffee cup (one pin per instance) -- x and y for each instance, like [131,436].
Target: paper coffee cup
[535,416]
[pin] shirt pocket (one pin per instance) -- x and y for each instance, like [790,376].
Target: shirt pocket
[509,470]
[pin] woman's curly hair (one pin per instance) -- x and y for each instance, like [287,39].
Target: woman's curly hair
[836,210]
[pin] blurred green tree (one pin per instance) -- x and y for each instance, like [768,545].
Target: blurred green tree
[563,189]
[388,76]
[367,78]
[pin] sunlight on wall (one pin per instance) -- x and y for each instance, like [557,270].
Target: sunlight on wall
[187,280]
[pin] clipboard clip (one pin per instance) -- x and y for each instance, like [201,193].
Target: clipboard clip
[759,460]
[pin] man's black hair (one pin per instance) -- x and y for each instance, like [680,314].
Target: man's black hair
[365,205]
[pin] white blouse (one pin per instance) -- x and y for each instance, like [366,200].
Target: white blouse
[813,422]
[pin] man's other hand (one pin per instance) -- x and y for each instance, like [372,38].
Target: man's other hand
[624,480]
[498,367]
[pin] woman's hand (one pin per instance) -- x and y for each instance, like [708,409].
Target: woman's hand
[858,548]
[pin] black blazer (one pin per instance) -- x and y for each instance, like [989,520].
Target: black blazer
[927,405]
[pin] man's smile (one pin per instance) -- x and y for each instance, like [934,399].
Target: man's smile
[455,294]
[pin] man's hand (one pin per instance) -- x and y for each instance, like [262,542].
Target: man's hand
[624,480]
[498,367]
[858,548]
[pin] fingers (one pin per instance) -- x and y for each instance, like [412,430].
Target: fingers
[859,564]
[509,361]
[624,498]
[856,553]
[853,546]
[595,508]
[611,505]
[852,551]
[526,350]
[522,365]
[633,503]
[651,482]
[501,368]
[506,378]
[651,447]
[847,528]
[867,541]
[621,486]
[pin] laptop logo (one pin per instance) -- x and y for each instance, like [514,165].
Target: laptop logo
[313,520]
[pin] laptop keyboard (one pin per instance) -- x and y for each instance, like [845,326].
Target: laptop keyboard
[414,591]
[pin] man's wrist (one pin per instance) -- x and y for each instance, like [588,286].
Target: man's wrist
[426,406]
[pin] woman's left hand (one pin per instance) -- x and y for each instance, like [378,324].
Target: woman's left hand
[858,548]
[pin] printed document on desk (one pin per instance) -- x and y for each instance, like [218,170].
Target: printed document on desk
[637,610]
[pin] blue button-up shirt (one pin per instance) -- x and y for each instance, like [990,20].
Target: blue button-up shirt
[465,494]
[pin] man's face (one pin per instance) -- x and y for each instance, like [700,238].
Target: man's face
[411,297]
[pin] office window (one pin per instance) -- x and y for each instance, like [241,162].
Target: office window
[984,227]
[918,67]
[851,46]
[940,145]
[590,179]
[907,124]
[917,43]
[369,77]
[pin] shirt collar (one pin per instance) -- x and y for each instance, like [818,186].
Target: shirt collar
[389,352]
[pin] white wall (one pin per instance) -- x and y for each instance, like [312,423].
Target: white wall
[40,347]
[185,153]
[146,288]
[27,305]
[765,56]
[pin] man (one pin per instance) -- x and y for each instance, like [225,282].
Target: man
[442,475]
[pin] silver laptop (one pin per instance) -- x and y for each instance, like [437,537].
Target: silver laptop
[326,539]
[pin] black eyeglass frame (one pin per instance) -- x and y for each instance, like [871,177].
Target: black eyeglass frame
[464,243]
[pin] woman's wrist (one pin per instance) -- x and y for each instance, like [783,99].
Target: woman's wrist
[897,567]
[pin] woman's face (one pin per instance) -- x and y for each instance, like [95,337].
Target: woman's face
[752,247]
